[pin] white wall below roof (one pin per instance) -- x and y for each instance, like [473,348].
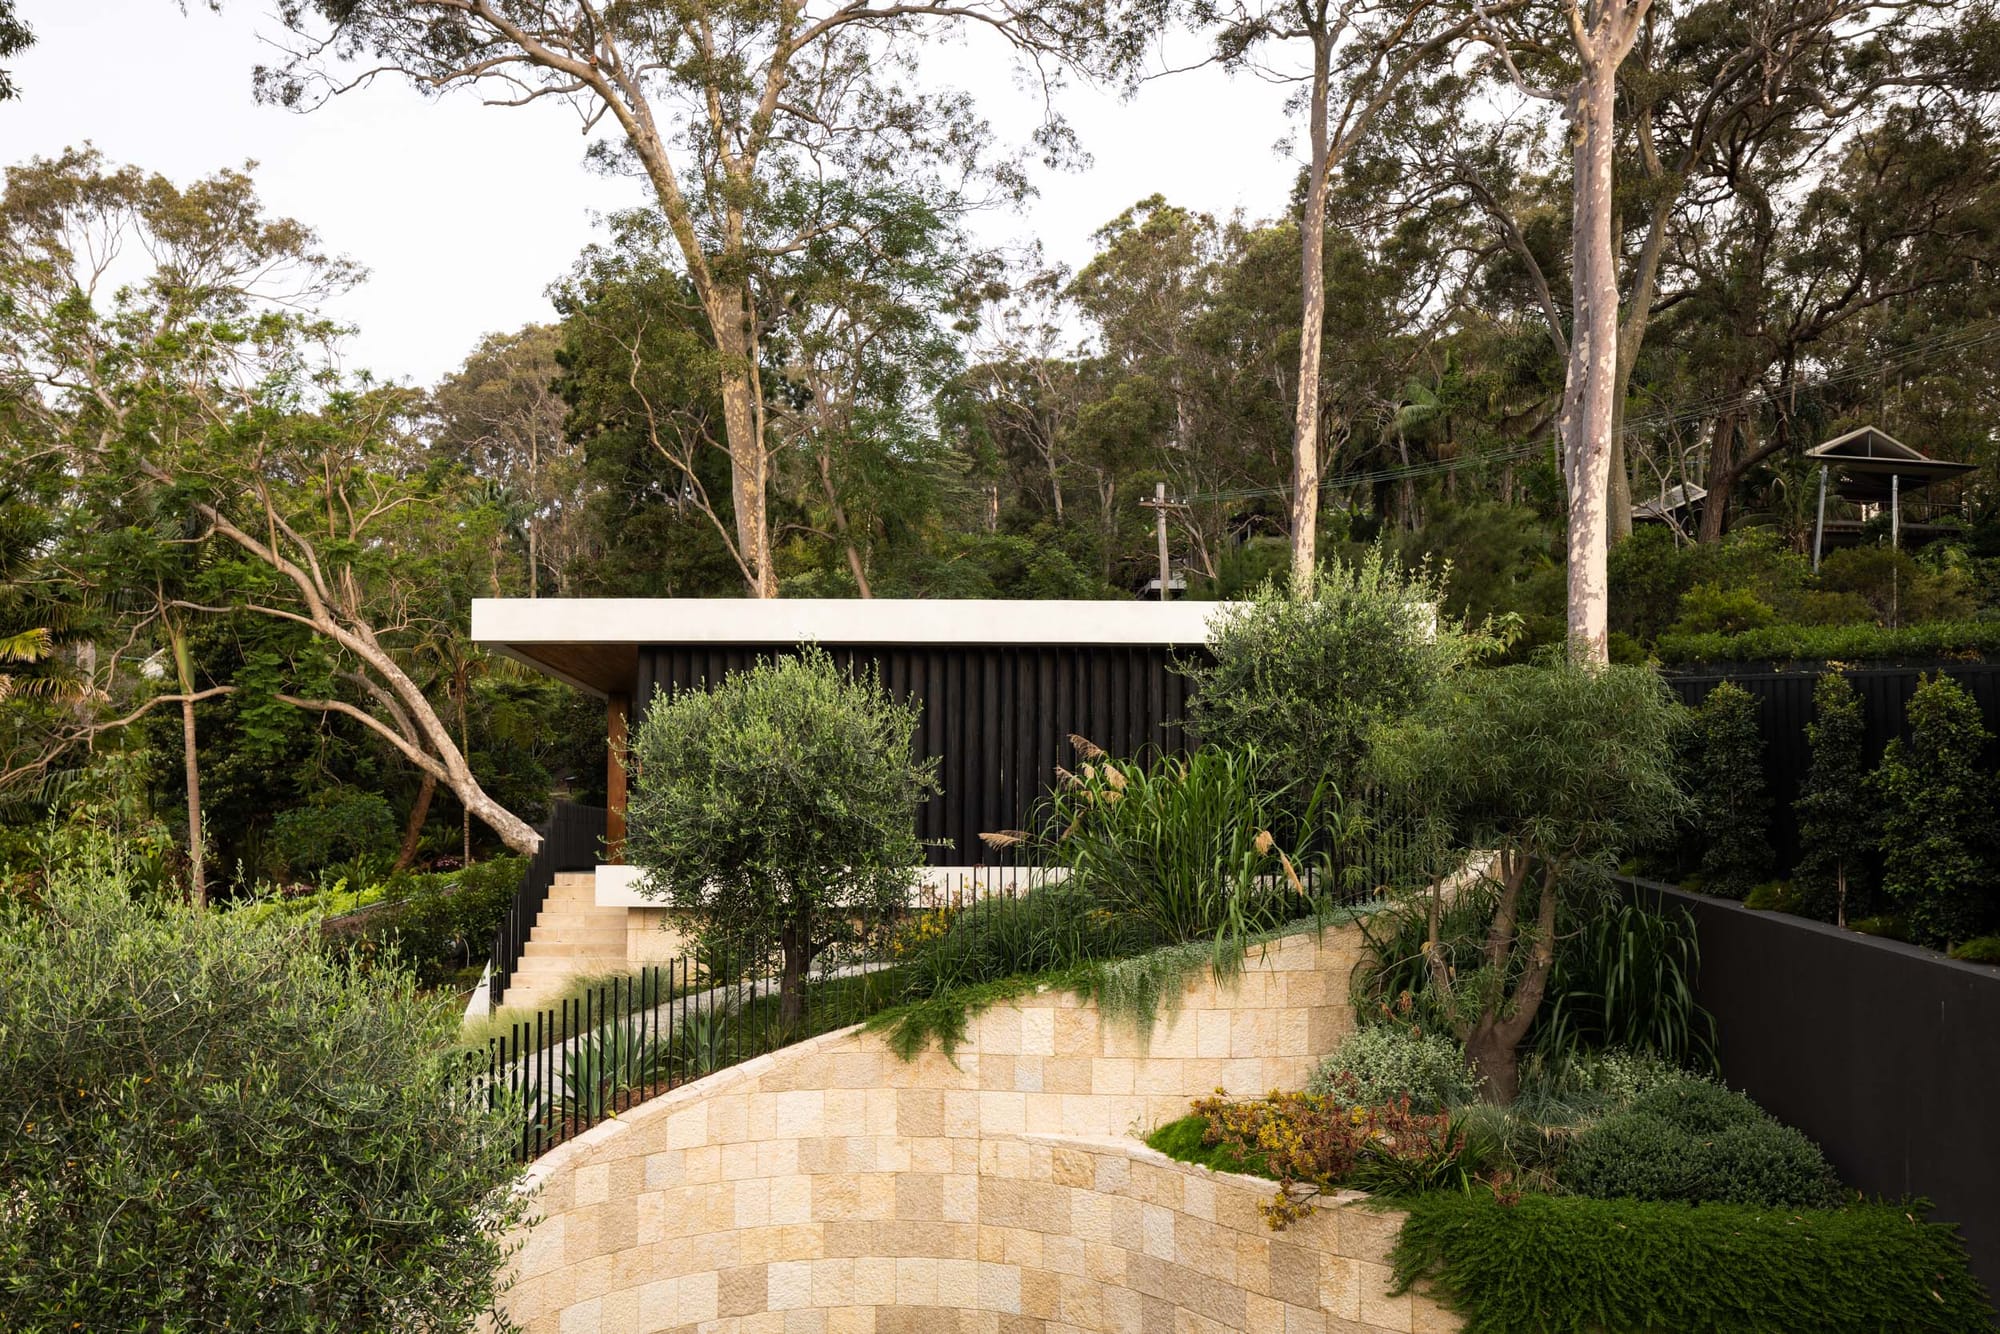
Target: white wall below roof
[838,621]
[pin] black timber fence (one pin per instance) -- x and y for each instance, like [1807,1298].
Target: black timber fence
[1886,1055]
[1785,706]
[997,718]
[572,840]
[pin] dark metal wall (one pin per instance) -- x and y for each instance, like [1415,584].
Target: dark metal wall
[997,718]
[1785,701]
[1885,1054]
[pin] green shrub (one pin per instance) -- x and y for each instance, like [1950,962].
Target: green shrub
[1937,819]
[1834,643]
[1053,927]
[1772,896]
[779,809]
[1698,1143]
[443,922]
[213,1125]
[1732,803]
[1380,1063]
[1300,681]
[1568,1265]
[1980,949]
[1625,982]
[1835,809]
[1894,587]
[1887,926]
[1708,609]
[1179,849]
[337,825]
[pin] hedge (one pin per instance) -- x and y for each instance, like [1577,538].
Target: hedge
[1834,643]
[1568,1265]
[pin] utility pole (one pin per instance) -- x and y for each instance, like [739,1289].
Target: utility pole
[1159,504]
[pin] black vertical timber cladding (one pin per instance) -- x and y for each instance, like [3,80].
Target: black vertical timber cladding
[1785,707]
[996,717]
[1886,1055]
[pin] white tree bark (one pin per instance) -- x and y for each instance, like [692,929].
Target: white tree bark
[1312,324]
[1603,37]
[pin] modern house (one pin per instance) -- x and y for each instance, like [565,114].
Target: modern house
[1002,685]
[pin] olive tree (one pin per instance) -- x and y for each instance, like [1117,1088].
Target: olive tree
[1555,769]
[209,1123]
[779,810]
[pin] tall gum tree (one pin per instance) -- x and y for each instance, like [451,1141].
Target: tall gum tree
[720,105]
[1601,35]
[1346,60]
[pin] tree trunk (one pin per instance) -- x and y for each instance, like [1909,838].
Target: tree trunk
[197,857]
[1588,396]
[461,685]
[747,461]
[413,828]
[1720,479]
[1312,321]
[795,943]
[1493,1046]
[190,760]
[854,563]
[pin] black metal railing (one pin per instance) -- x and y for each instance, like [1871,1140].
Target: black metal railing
[572,840]
[605,1048]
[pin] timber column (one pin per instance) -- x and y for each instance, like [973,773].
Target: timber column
[618,707]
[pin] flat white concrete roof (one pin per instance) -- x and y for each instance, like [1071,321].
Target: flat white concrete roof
[521,622]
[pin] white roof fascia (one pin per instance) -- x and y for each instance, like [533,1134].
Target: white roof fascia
[1831,449]
[526,621]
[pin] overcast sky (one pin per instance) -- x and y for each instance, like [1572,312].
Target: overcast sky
[463,213]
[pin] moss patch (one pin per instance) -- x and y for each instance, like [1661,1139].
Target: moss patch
[1182,1140]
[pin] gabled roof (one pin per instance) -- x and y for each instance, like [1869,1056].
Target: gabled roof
[1866,442]
[1867,459]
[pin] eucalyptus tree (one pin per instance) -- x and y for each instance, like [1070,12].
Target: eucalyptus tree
[863,339]
[200,382]
[723,107]
[501,415]
[1347,60]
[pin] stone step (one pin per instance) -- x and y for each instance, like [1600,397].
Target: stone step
[555,970]
[537,948]
[570,928]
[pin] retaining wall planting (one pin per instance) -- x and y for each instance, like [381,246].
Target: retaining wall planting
[833,1188]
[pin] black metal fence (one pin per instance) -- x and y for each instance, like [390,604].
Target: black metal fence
[572,840]
[609,1046]
[1785,707]
[1885,1054]
[605,1048]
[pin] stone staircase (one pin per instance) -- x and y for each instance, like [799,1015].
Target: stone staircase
[572,937]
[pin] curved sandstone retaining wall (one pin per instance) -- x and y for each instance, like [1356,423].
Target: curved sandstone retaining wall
[833,1188]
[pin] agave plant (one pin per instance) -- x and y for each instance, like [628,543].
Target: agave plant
[601,1064]
[700,1043]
